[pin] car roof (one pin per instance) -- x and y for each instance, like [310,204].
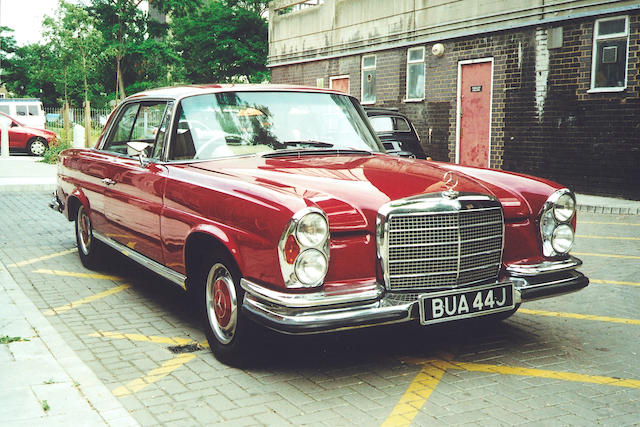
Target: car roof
[190,90]
[383,112]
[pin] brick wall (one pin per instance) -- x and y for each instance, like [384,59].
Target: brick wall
[544,120]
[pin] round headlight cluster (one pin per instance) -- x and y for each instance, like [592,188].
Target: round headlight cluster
[312,229]
[555,229]
[308,234]
[311,266]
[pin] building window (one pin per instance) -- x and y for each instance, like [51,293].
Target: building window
[610,51]
[369,79]
[415,74]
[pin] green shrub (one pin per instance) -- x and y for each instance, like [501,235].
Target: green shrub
[51,155]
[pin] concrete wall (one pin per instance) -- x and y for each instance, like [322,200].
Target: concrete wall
[343,27]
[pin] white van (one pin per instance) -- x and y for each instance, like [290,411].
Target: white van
[27,111]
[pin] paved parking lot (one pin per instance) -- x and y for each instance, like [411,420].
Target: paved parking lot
[571,360]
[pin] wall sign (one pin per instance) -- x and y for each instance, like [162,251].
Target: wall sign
[476,88]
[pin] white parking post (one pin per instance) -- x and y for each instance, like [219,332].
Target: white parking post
[4,125]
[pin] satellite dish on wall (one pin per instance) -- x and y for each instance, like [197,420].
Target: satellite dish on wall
[437,50]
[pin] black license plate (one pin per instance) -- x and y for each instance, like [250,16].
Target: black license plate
[456,304]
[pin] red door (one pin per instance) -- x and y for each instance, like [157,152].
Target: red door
[475,113]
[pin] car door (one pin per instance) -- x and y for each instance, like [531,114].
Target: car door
[135,188]
[18,136]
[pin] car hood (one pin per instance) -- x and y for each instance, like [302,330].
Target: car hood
[351,188]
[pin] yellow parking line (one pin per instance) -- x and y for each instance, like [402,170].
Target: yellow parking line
[605,255]
[82,301]
[585,236]
[610,223]
[543,373]
[154,375]
[613,282]
[139,337]
[580,316]
[433,370]
[416,395]
[75,274]
[42,258]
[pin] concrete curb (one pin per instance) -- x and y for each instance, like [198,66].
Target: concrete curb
[607,210]
[80,393]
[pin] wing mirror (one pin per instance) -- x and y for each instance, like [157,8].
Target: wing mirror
[138,148]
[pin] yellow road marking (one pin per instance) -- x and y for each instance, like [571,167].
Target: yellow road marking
[154,375]
[433,370]
[580,316]
[75,274]
[614,282]
[416,395]
[584,236]
[139,337]
[543,373]
[610,223]
[42,258]
[605,255]
[82,301]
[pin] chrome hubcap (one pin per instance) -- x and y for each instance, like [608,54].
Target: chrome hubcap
[84,231]
[222,304]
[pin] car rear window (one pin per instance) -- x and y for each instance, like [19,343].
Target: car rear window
[389,124]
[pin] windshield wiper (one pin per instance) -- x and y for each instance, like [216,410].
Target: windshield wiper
[316,152]
[308,143]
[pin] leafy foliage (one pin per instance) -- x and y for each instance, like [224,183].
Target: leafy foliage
[220,43]
[108,48]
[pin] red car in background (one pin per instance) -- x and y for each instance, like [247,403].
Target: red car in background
[33,141]
[279,206]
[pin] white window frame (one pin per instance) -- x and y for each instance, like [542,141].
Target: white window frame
[596,38]
[409,62]
[363,69]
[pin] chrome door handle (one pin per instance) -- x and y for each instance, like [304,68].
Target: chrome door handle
[108,181]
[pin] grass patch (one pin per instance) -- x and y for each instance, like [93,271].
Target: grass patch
[45,406]
[7,339]
[51,155]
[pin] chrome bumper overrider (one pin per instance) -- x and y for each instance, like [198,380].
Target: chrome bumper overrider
[372,305]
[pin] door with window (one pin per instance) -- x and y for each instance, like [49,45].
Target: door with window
[474,112]
[135,191]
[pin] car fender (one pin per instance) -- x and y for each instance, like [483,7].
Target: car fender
[78,194]
[218,234]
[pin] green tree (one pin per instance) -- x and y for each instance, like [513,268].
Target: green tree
[33,72]
[221,43]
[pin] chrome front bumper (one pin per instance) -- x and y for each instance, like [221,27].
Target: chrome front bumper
[372,305]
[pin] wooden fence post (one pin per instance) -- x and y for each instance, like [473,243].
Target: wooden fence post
[65,120]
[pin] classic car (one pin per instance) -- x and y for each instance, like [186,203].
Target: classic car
[33,141]
[278,206]
[396,132]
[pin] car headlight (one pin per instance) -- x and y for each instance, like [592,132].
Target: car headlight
[562,238]
[555,223]
[312,229]
[564,208]
[310,267]
[303,250]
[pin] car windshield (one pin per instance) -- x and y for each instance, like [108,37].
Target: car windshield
[238,123]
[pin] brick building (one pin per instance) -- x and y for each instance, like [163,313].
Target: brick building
[545,87]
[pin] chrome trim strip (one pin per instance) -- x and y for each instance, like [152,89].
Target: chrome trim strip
[545,267]
[370,292]
[152,265]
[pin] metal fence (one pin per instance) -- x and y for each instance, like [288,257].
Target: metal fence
[54,117]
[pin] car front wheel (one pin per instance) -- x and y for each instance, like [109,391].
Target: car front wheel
[88,246]
[228,331]
[37,146]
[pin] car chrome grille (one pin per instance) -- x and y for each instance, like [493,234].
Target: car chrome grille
[427,250]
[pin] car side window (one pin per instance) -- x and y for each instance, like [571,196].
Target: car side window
[138,122]
[21,110]
[402,125]
[162,136]
[381,123]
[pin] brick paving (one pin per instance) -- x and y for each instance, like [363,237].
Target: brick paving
[349,378]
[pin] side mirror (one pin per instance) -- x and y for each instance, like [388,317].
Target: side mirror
[138,148]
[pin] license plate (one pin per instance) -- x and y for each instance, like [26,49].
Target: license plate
[456,304]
